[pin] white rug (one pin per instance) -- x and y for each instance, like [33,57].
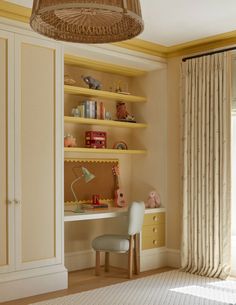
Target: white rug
[168,288]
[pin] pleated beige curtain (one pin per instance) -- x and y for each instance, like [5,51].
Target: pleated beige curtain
[206,166]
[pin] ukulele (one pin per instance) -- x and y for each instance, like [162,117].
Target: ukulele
[119,199]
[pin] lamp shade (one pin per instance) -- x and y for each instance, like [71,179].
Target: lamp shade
[87,175]
[87,21]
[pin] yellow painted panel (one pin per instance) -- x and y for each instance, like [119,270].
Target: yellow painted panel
[3,153]
[150,219]
[38,152]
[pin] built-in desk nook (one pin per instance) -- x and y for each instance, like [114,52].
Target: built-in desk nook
[152,237]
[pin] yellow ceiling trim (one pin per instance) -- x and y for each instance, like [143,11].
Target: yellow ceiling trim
[143,46]
[20,13]
[14,11]
[204,44]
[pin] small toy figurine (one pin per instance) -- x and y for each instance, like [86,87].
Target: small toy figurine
[92,82]
[69,141]
[122,113]
[153,201]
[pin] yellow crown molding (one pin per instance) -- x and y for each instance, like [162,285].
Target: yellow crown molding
[21,13]
[202,45]
[14,11]
[144,46]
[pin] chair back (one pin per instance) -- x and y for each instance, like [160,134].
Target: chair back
[135,217]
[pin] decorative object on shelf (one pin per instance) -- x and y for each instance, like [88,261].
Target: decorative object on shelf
[95,139]
[107,115]
[76,112]
[121,87]
[120,145]
[87,176]
[153,201]
[122,114]
[68,80]
[92,82]
[87,21]
[96,199]
[119,199]
[69,141]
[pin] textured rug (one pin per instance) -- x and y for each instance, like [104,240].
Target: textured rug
[168,288]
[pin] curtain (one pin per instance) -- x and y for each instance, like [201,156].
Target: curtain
[206,166]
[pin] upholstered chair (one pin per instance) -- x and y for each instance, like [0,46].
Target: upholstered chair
[123,243]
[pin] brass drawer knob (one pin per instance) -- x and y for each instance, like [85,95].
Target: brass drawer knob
[154,230]
[155,218]
[154,242]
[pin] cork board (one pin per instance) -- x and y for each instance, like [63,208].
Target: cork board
[103,183]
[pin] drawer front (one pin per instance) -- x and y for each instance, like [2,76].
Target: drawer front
[152,219]
[150,242]
[154,230]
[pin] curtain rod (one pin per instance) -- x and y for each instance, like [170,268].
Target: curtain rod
[208,53]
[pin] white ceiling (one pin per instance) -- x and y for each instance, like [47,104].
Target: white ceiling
[171,22]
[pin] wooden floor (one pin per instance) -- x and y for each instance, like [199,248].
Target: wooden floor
[86,280]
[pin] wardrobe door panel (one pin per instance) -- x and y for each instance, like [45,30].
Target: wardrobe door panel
[6,151]
[37,219]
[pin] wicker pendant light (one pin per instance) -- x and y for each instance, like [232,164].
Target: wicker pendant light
[87,21]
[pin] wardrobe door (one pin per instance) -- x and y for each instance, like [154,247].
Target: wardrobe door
[6,151]
[38,159]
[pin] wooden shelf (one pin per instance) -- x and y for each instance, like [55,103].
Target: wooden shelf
[77,120]
[105,151]
[103,94]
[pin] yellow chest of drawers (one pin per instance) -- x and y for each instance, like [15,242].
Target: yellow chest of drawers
[153,232]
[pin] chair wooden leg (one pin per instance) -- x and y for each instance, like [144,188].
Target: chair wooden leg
[107,265]
[97,268]
[137,253]
[130,259]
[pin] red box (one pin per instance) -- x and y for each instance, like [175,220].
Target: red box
[95,139]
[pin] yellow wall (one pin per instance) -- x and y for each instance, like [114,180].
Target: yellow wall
[173,154]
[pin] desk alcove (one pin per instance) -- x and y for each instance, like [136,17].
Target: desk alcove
[81,229]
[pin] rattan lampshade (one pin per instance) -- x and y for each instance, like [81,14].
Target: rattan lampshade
[87,21]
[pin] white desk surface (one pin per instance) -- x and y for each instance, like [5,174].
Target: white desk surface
[95,214]
[102,213]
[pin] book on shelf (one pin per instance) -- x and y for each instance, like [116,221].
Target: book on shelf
[90,109]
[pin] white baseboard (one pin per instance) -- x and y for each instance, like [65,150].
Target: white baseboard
[173,258]
[153,259]
[80,260]
[150,259]
[24,285]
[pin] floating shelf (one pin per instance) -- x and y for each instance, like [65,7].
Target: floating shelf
[77,120]
[103,94]
[105,151]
